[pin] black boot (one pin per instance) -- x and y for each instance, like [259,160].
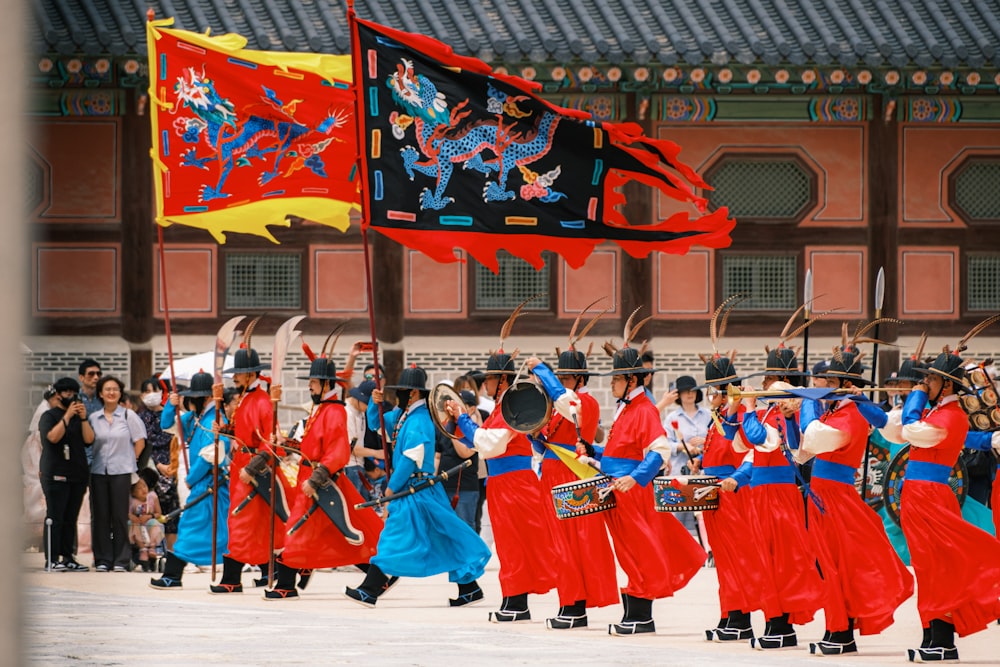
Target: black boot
[778,634]
[513,608]
[941,647]
[284,587]
[837,642]
[737,628]
[374,584]
[569,617]
[468,594]
[637,619]
[173,570]
[304,577]
[265,578]
[232,575]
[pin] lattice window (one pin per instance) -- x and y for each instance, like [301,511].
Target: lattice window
[516,281]
[770,189]
[770,280]
[263,280]
[984,282]
[977,190]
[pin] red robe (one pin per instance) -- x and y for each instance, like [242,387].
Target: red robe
[589,572]
[789,580]
[657,553]
[957,565]
[736,559]
[249,534]
[528,542]
[863,577]
[318,543]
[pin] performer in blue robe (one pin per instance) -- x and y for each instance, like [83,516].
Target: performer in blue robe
[423,535]
[194,533]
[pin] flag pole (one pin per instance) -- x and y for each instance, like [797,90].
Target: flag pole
[356,63]
[170,346]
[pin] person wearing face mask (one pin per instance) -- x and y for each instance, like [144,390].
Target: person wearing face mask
[64,472]
[157,452]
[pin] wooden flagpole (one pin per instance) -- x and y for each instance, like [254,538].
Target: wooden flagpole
[170,345]
[356,62]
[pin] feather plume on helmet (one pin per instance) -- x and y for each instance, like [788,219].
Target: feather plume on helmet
[573,361]
[246,359]
[501,362]
[783,361]
[950,365]
[846,363]
[719,369]
[628,360]
[322,366]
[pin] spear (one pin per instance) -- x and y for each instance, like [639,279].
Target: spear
[807,298]
[879,298]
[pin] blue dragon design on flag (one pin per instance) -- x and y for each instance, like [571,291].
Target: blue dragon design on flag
[493,146]
[266,130]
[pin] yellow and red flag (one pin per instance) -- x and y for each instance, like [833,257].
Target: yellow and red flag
[243,139]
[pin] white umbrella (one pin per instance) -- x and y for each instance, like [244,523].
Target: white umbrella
[188,366]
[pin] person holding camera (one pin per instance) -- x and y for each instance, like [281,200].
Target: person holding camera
[64,472]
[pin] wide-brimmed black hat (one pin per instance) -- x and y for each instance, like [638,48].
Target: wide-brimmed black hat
[500,363]
[720,370]
[846,366]
[572,362]
[950,366]
[909,371]
[201,385]
[246,360]
[413,377]
[322,368]
[688,383]
[782,361]
[627,361]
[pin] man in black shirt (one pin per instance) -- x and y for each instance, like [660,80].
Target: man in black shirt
[64,472]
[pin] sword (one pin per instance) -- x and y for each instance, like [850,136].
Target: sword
[879,298]
[807,299]
[416,488]
[164,518]
[330,499]
[263,487]
[223,341]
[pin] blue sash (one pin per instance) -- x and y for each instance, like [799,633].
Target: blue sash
[835,472]
[505,464]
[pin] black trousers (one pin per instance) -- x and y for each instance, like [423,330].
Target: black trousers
[63,500]
[109,496]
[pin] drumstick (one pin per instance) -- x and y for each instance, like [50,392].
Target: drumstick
[676,425]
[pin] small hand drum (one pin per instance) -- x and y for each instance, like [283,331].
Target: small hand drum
[583,497]
[439,396]
[686,494]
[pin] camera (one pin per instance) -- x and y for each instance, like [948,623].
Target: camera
[78,398]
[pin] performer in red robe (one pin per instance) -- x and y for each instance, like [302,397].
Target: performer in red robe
[587,578]
[528,542]
[318,542]
[656,552]
[253,421]
[792,588]
[864,580]
[957,565]
[737,558]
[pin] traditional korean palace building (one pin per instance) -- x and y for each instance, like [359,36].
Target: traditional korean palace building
[844,137]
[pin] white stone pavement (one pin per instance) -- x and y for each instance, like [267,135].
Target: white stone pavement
[116,619]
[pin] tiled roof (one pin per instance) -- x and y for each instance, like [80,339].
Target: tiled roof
[713,33]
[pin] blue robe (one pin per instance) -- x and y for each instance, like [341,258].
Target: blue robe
[194,533]
[423,535]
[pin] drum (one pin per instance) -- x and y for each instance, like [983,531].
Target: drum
[980,421]
[897,473]
[971,403]
[526,407]
[979,378]
[685,494]
[583,497]
[988,396]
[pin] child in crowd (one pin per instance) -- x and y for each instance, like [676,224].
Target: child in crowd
[144,531]
[376,477]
